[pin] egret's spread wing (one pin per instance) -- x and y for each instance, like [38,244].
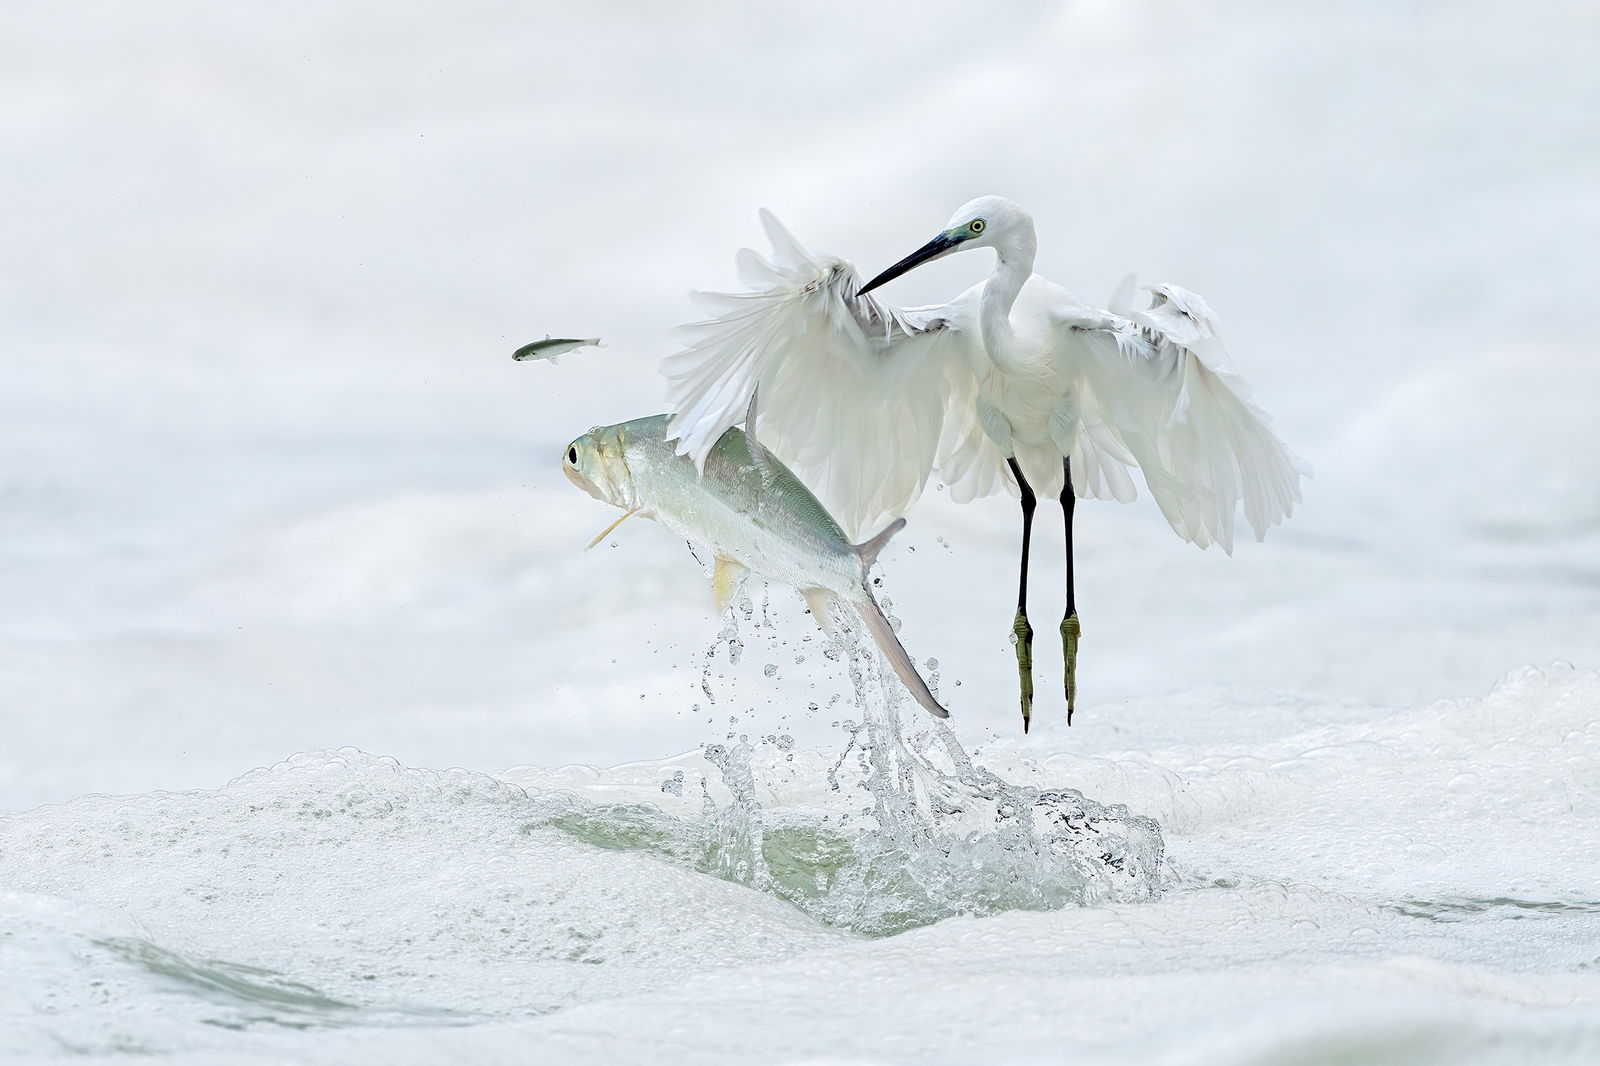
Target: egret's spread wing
[1160,385]
[853,391]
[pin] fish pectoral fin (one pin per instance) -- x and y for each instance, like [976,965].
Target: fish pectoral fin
[821,603]
[598,537]
[726,579]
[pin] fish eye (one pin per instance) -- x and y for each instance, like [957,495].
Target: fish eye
[572,455]
[976,225]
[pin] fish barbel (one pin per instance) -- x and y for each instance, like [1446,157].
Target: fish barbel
[752,511]
[551,347]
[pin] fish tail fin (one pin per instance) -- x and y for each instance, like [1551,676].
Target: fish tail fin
[868,550]
[883,635]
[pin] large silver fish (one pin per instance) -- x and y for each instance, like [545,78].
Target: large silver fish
[748,508]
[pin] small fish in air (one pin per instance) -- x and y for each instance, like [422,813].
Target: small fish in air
[752,511]
[551,347]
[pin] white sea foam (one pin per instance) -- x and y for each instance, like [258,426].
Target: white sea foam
[343,904]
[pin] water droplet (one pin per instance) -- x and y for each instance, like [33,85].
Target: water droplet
[770,670]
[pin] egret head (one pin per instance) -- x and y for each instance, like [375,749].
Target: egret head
[987,222]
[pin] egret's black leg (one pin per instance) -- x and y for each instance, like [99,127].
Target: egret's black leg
[1021,631]
[1069,621]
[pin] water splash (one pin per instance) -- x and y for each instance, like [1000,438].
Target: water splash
[909,831]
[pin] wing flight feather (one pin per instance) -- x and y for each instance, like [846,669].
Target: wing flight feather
[854,391]
[1166,395]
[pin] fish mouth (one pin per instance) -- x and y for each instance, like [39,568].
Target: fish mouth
[583,483]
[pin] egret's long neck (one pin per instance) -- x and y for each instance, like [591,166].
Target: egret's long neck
[1013,266]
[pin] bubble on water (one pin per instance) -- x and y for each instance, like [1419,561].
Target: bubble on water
[673,786]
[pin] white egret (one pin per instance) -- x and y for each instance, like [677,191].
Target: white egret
[1013,383]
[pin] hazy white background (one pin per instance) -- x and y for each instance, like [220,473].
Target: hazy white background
[269,480]
[270,483]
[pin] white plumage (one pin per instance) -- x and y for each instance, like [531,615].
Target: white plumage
[865,400]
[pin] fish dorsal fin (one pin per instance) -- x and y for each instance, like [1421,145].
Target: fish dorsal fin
[762,458]
[868,550]
[726,578]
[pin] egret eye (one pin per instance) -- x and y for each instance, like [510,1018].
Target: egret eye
[572,455]
[976,225]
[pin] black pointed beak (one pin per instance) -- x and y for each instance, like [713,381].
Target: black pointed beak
[932,250]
